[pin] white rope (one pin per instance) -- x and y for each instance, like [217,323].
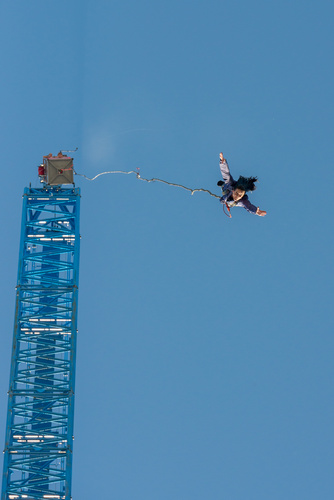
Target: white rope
[192,191]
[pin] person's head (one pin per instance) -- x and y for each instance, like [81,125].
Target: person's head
[238,193]
[245,184]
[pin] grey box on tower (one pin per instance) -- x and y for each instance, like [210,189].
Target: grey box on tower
[59,170]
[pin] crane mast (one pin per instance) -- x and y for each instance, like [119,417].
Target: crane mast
[39,430]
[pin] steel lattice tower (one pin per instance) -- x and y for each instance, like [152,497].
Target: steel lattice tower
[39,432]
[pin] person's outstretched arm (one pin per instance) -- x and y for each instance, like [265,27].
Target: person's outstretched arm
[252,209]
[224,168]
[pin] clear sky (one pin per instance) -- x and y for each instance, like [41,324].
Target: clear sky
[205,345]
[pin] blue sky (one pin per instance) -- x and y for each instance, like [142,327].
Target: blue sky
[205,347]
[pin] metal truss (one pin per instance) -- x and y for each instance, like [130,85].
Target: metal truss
[39,433]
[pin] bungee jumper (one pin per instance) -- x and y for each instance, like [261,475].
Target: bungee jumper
[234,192]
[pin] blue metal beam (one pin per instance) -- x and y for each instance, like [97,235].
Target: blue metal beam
[39,432]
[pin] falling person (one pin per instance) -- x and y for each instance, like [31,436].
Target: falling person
[234,192]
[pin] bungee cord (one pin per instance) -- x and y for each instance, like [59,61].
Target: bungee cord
[154,179]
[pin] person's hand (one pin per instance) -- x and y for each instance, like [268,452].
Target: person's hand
[262,213]
[221,156]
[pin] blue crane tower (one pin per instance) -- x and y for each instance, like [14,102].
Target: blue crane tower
[39,429]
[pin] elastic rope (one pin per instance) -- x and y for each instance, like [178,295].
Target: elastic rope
[192,191]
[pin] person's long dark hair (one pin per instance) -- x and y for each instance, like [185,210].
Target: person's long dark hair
[246,183]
